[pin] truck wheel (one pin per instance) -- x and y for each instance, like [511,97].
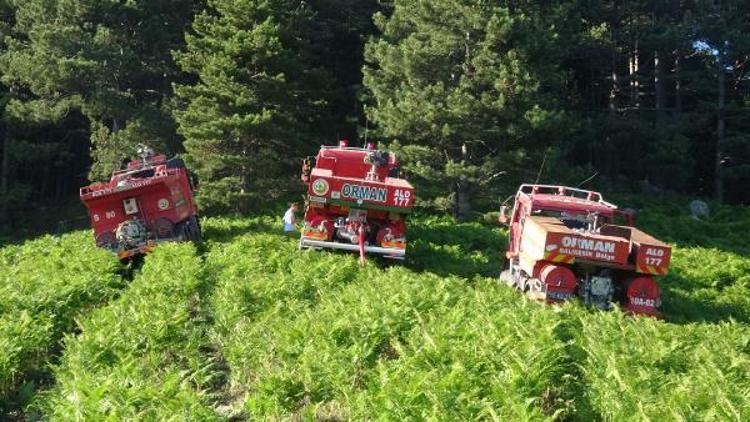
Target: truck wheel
[534,290]
[184,231]
[191,231]
[187,232]
[196,229]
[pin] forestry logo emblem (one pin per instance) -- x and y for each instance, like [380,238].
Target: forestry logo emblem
[320,187]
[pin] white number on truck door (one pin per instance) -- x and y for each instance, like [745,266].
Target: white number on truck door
[653,261]
[654,256]
[402,197]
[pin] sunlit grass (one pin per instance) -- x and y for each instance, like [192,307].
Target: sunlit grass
[257,329]
[142,357]
[45,285]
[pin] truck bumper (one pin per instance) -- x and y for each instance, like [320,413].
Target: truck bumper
[140,250]
[396,253]
[146,247]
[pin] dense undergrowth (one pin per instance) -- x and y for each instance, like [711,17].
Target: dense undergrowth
[44,286]
[142,357]
[249,327]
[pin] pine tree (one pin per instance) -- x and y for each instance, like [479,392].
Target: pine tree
[110,60]
[6,23]
[341,29]
[461,85]
[722,39]
[258,95]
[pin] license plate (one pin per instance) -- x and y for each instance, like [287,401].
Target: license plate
[640,301]
[557,295]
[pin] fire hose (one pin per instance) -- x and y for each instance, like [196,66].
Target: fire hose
[362,244]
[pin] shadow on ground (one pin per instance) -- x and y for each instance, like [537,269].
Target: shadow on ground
[226,229]
[689,298]
[447,248]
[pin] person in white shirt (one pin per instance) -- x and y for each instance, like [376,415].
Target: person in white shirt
[290,219]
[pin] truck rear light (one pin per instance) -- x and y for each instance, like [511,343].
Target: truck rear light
[559,282]
[319,228]
[643,296]
[397,244]
[392,235]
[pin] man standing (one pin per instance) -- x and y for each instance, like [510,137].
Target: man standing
[290,219]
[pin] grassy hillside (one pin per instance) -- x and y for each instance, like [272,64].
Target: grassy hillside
[248,327]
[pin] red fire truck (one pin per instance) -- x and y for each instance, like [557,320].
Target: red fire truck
[564,242]
[356,201]
[147,203]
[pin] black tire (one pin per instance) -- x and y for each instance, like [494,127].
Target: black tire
[191,230]
[187,231]
[184,231]
[196,229]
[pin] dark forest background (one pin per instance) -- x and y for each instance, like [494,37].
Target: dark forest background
[476,96]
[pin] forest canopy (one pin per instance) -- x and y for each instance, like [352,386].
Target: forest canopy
[475,96]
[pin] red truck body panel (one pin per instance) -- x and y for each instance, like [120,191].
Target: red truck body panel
[390,194]
[154,193]
[546,238]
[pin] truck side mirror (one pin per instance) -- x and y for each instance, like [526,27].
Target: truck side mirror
[503,218]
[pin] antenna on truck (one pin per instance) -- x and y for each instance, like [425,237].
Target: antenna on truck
[367,121]
[596,173]
[541,167]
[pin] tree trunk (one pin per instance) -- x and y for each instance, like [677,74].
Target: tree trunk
[718,170]
[659,71]
[677,84]
[602,153]
[615,88]
[463,190]
[463,200]
[631,77]
[634,67]
[4,176]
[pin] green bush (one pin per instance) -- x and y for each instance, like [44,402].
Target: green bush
[442,246]
[45,285]
[484,354]
[707,285]
[257,329]
[258,277]
[642,369]
[311,335]
[142,357]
